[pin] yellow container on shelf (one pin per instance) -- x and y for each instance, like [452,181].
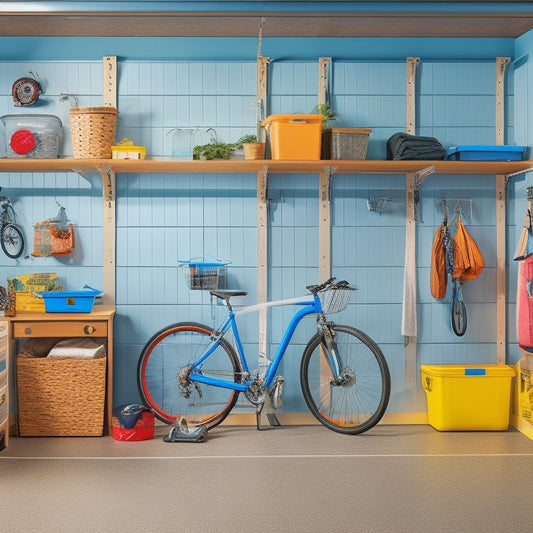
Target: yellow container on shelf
[468,397]
[128,152]
[294,136]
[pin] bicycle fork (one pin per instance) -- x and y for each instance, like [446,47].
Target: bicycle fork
[330,348]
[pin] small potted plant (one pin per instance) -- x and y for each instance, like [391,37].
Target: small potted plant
[252,148]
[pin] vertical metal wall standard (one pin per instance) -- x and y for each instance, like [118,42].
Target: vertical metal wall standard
[109,92]
[501,338]
[324,203]
[409,316]
[262,214]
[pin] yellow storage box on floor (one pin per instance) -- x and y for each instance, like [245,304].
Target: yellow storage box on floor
[468,397]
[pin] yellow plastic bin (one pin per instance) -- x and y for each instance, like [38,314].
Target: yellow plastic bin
[294,136]
[468,397]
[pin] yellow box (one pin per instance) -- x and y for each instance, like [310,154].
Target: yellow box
[294,136]
[27,285]
[525,392]
[468,397]
[128,152]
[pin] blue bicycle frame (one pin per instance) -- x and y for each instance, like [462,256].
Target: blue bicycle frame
[311,307]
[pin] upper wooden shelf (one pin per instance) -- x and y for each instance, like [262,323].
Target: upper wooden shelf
[398,23]
[272,166]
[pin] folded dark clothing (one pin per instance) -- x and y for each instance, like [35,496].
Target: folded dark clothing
[405,146]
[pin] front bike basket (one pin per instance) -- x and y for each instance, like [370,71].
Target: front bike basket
[335,299]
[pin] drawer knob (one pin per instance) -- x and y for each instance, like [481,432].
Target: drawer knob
[89,329]
[27,331]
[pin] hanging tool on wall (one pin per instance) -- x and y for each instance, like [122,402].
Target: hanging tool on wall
[26,91]
[527,230]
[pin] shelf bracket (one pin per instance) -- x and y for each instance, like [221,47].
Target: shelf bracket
[422,174]
[517,173]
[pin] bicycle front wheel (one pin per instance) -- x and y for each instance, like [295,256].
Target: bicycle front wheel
[12,241]
[171,351]
[356,401]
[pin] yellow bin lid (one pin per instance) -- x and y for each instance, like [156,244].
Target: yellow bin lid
[460,371]
[292,119]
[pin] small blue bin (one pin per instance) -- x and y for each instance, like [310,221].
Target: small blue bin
[485,153]
[69,301]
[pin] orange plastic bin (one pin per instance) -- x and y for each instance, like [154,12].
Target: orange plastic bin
[294,136]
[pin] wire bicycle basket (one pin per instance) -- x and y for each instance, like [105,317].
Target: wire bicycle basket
[204,273]
[335,299]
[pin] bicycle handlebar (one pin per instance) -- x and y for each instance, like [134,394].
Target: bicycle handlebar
[330,283]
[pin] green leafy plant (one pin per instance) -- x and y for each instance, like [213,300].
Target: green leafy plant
[328,115]
[221,150]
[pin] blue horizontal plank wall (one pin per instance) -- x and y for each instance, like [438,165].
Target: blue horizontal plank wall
[164,218]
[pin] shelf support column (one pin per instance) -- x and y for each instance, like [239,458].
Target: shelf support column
[324,224]
[501,297]
[262,255]
[324,204]
[109,90]
[109,232]
[409,316]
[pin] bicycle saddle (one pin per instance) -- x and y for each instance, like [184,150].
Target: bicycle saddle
[227,294]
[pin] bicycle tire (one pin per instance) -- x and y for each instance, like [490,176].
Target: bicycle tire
[12,240]
[360,403]
[162,358]
[458,314]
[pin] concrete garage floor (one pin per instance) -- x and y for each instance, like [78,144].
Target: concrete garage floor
[289,479]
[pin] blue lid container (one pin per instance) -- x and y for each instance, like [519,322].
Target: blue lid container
[485,153]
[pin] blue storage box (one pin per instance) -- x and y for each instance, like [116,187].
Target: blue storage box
[204,273]
[485,153]
[69,301]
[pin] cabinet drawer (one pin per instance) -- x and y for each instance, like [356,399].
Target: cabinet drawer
[60,329]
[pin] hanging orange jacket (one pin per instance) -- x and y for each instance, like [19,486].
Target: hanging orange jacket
[438,275]
[468,261]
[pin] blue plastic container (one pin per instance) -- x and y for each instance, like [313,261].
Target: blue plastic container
[69,301]
[485,153]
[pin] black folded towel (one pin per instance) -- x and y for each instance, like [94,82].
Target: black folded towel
[405,146]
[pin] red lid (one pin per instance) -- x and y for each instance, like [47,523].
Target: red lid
[22,141]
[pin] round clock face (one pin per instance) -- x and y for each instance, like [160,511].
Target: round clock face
[26,91]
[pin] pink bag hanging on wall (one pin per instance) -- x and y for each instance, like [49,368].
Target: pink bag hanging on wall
[524,303]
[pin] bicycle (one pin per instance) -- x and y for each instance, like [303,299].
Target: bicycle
[11,236]
[189,370]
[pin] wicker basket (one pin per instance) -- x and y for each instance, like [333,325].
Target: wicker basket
[254,150]
[345,143]
[93,131]
[61,397]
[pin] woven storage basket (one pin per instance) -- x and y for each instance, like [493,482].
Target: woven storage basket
[61,397]
[93,131]
[345,143]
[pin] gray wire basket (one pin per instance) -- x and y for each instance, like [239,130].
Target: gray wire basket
[335,299]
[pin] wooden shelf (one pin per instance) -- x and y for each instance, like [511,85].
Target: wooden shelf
[358,23]
[272,166]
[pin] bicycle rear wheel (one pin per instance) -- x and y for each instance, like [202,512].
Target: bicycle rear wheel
[12,240]
[358,401]
[166,354]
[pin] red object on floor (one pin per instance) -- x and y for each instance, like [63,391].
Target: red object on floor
[143,429]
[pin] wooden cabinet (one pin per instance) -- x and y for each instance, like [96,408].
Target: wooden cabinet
[98,323]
